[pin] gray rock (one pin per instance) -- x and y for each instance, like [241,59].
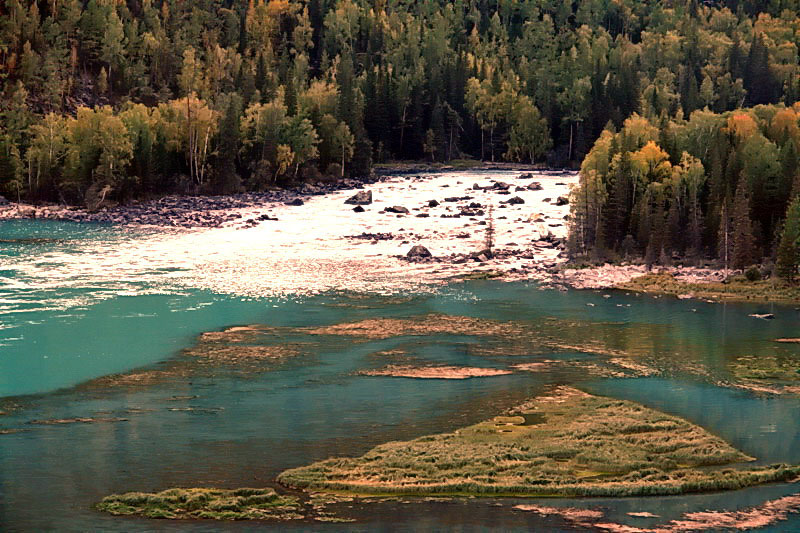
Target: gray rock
[397,209]
[562,200]
[360,198]
[535,186]
[359,209]
[418,251]
[296,201]
[433,203]
[515,200]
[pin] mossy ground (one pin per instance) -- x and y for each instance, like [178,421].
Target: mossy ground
[568,444]
[200,503]
[737,289]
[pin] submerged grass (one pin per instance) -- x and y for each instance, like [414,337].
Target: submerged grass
[201,503]
[767,368]
[736,289]
[576,445]
[431,324]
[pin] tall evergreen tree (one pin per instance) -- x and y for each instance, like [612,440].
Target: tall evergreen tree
[788,260]
[744,242]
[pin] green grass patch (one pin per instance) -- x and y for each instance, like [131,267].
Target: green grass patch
[479,275]
[576,445]
[200,503]
[736,289]
[766,368]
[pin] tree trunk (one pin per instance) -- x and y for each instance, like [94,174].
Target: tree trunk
[569,156]
[402,130]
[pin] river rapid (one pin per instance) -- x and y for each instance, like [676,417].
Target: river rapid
[79,302]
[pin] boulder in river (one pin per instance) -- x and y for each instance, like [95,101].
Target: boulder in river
[397,209]
[418,251]
[764,316]
[562,200]
[535,186]
[359,209]
[360,198]
[515,200]
[433,203]
[296,201]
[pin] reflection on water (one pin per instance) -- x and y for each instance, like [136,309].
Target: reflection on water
[222,429]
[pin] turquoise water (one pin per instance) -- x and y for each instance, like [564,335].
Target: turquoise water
[229,431]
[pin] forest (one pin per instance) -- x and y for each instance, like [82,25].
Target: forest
[121,99]
[712,185]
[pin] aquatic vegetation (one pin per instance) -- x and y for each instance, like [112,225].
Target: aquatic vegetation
[250,349]
[505,338]
[240,349]
[393,353]
[480,274]
[432,324]
[77,420]
[435,372]
[763,515]
[203,503]
[766,368]
[611,368]
[736,289]
[768,374]
[575,445]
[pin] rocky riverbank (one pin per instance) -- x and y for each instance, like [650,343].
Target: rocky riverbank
[682,282]
[397,232]
[181,211]
[609,276]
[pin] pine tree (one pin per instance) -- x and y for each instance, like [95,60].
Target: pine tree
[788,259]
[758,78]
[725,236]
[347,106]
[229,134]
[744,243]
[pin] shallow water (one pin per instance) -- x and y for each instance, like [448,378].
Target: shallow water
[228,430]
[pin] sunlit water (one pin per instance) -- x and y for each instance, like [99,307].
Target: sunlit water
[72,309]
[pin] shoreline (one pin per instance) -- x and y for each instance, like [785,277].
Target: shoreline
[711,285]
[181,210]
[192,210]
[393,233]
[531,248]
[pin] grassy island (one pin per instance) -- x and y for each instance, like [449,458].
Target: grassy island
[567,444]
[217,504]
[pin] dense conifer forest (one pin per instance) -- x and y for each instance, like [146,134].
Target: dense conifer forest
[685,108]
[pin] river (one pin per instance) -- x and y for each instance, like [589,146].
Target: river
[81,302]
